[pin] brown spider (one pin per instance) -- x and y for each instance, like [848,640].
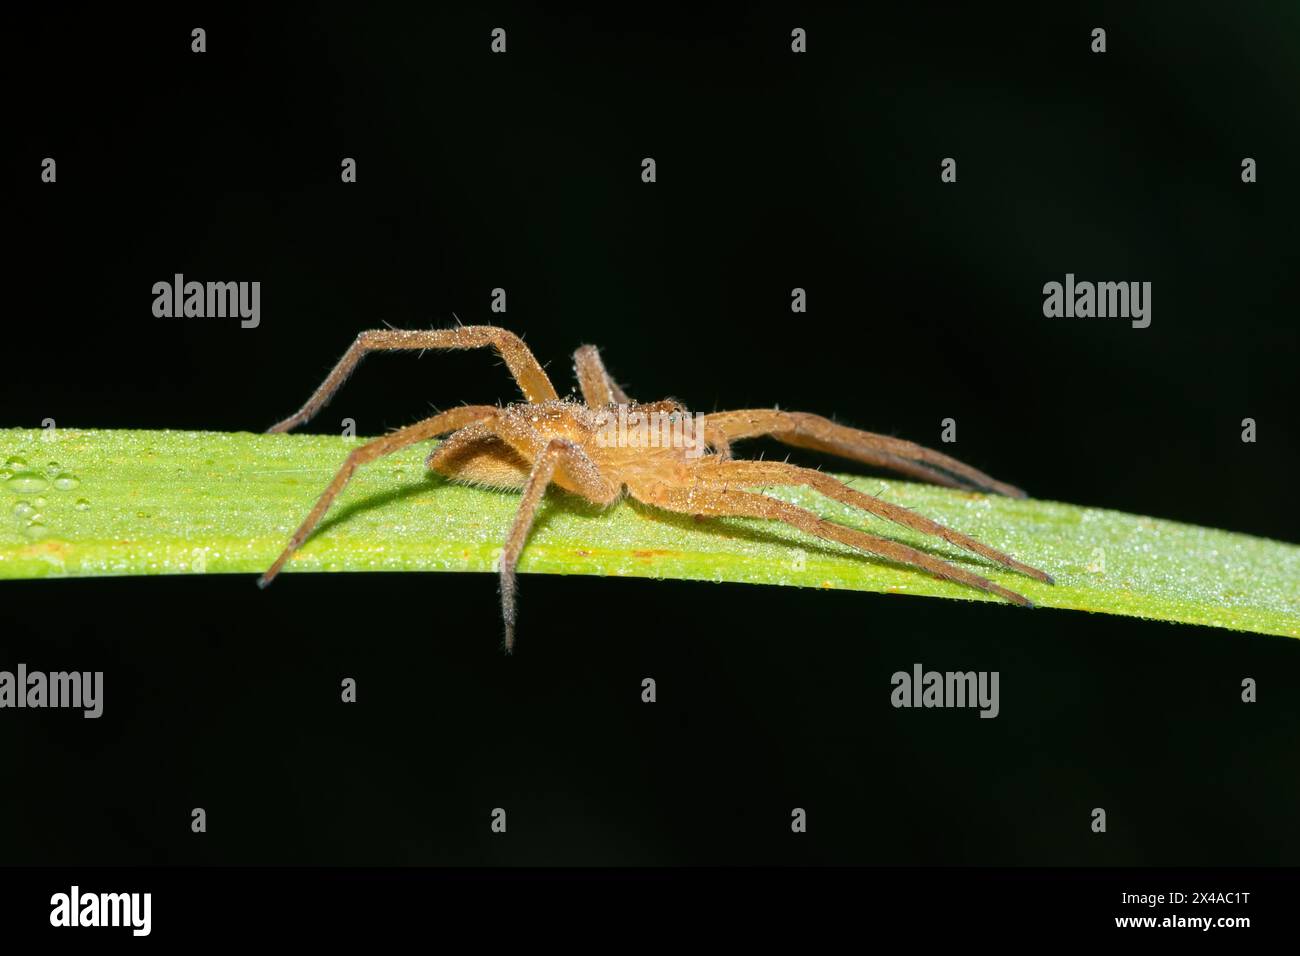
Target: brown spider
[549,440]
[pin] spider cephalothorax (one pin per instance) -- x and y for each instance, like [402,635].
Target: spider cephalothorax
[608,447]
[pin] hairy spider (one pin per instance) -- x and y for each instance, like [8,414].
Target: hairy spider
[547,440]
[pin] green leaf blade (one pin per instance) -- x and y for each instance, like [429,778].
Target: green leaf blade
[173,502]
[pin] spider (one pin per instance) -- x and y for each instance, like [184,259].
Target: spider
[545,440]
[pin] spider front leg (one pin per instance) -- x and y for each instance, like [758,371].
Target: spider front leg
[579,474]
[804,430]
[441,424]
[721,501]
[598,389]
[756,473]
[527,372]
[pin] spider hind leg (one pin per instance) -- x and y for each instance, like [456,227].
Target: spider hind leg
[756,473]
[716,500]
[805,430]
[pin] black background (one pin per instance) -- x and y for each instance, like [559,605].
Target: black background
[774,171]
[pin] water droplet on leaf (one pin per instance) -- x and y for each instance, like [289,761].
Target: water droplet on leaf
[26,482]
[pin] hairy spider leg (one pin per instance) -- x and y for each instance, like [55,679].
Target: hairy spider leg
[804,430]
[440,424]
[756,473]
[599,390]
[557,451]
[579,474]
[721,501]
[527,372]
